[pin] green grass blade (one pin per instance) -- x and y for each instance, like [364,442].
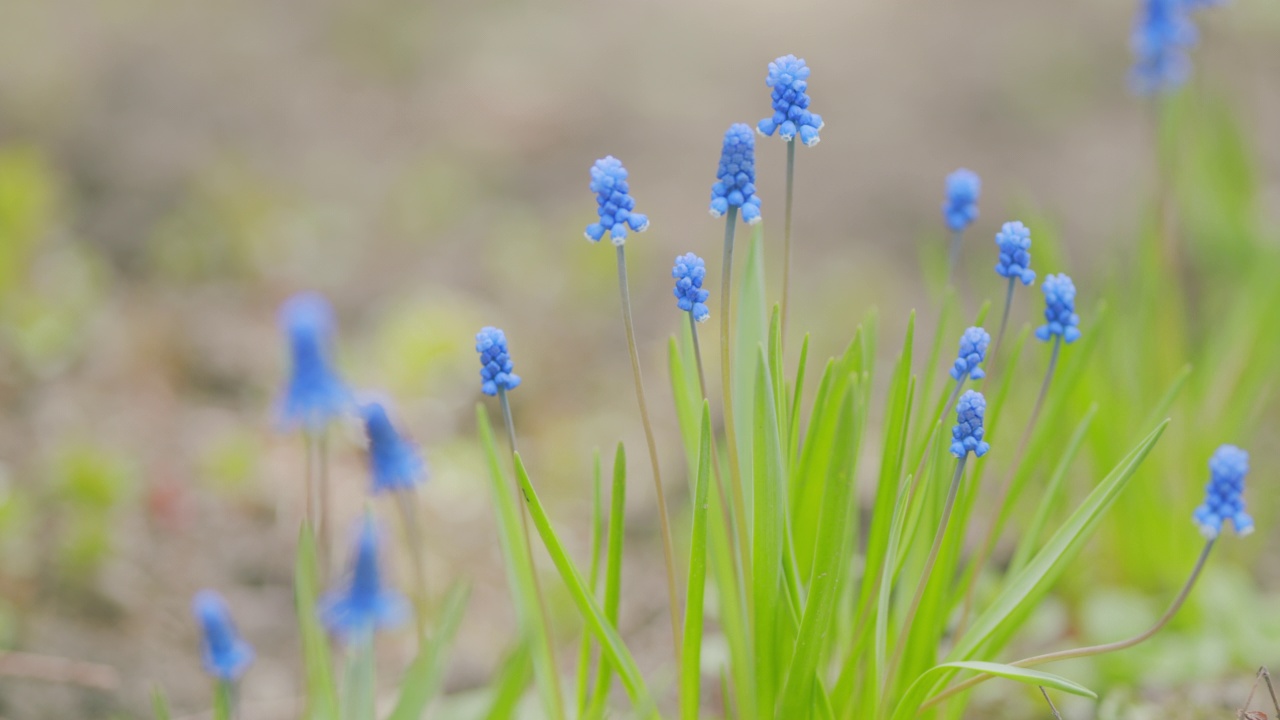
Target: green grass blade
[768,507]
[691,653]
[520,575]
[422,680]
[750,334]
[612,569]
[322,693]
[1048,564]
[513,677]
[915,694]
[610,642]
[160,704]
[831,559]
[797,398]
[597,538]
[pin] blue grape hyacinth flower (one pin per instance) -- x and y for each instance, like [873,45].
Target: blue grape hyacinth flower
[689,272]
[960,209]
[363,604]
[967,434]
[495,362]
[393,461]
[789,78]
[1014,241]
[616,206]
[1163,33]
[1224,495]
[314,395]
[736,177]
[226,656]
[973,350]
[1059,310]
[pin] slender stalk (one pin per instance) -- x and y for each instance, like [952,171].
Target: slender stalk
[1004,323]
[993,530]
[1262,676]
[953,258]
[357,690]
[510,424]
[928,443]
[786,234]
[668,551]
[1092,649]
[928,570]
[702,384]
[413,538]
[1052,708]
[325,525]
[726,380]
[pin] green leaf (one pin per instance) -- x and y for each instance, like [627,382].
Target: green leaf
[915,694]
[322,694]
[513,677]
[422,680]
[160,704]
[610,642]
[597,539]
[520,572]
[691,653]
[768,509]
[613,569]
[750,334]
[832,558]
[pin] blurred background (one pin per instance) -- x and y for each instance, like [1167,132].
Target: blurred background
[171,170]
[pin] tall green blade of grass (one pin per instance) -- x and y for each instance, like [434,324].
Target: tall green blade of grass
[915,694]
[610,642]
[597,538]
[1021,591]
[422,680]
[520,576]
[768,507]
[612,572]
[831,560]
[160,704]
[691,653]
[750,334]
[322,693]
[512,679]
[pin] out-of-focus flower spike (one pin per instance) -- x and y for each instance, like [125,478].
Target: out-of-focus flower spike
[1224,494]
[1060,310]
[1014,241]
[314,395]
[394,463]
[226,656]
[363,603]
[960,208]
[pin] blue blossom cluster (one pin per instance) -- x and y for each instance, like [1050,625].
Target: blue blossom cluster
[226,656]
[960,208]
[364,604]
[314,394]
[616,206]
[1162,35]
[736,178]
[966,436]
[973,350]
[1224,495]
[495,362]
[689,272]
[1059,309]
[393,462]
[789,78]
[1014,241]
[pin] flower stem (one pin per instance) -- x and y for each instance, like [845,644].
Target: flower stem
[1004,323]
[953,257]
[1092,649]
[667,550]
[413,538]
[786,234]
[928,570]
[726,380]
[357,687]
[325,529]
[510,424]
[928,443]
[715,457]
[997,523]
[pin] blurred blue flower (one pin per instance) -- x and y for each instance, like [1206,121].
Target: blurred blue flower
[736,177]
[1162,35]
[1014,241]
[394,463]
[363,604]
[314,394]
[1224,495]
[960,208]
[1059,309]
[616,206]
[789,78]
[226,656]
[689,272]
[967,434]
[973,350]
[495,362]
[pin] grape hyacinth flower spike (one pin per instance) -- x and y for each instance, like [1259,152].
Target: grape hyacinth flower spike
[495,362]
[1061,321]
[960,208]
[735,186]
[973,350]
[967,434]
[613,195]
[1162,37]
[314,396]
[1224,495]
[225,655]
[1014,263]
[363,603]
[689,272]
[788,76]
[394,463]
[616,207]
